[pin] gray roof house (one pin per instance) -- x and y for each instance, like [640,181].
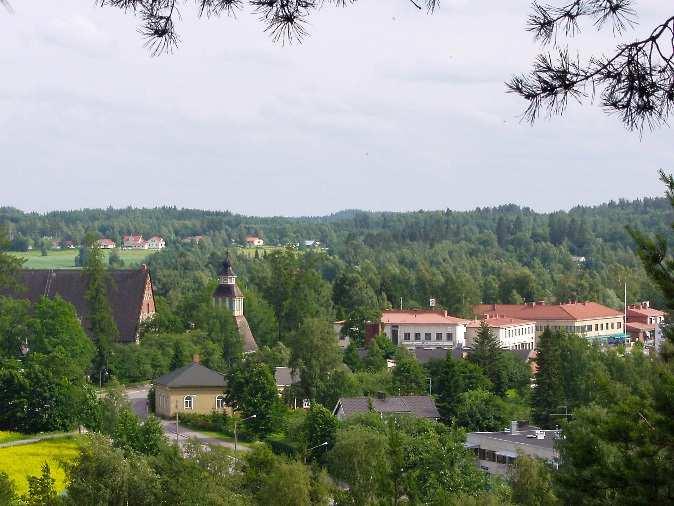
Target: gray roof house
[421,406]
[192,375]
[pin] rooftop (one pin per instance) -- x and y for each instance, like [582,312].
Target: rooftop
[421,406]
[528,435]
[542,311]
[498,321]
[419,316]
[192,375]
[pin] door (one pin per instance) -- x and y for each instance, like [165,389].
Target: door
[394,334]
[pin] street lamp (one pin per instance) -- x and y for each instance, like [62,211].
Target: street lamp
[236,436]
[324,443]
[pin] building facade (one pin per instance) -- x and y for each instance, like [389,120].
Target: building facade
[193,389]
[106,243]
[513,333]
[419,327]
[591,320]
[643,321]
[253,241]
[133,242]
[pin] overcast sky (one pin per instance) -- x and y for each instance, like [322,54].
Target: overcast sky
[382,108]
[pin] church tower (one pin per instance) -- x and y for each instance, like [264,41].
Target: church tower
[227,293]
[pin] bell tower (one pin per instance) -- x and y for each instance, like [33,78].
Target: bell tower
[227,293]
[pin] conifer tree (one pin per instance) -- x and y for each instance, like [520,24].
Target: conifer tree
[103,327]
[548,393]
[488,354]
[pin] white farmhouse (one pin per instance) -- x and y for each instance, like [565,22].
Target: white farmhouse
[156,242]
[423,328]
[513,333]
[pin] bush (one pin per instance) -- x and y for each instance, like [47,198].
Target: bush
[213,422]
[282,446]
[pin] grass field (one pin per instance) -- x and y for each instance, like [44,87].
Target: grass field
[65,259]
[262,249]
[26,460]
[8,437]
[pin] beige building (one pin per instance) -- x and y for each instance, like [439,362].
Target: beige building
[587,319]
[190,389]
[420,327]
[512,333]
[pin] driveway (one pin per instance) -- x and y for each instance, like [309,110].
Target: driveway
[138,398]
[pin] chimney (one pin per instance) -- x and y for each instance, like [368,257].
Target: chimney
[196,359]
[645,304]
[513,427]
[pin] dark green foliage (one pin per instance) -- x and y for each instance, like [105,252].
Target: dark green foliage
[41,490]
[251,390]
[409,378]
[455,378]
[320,426]
[7,490]
[262,320]
[548,393]
[531,482]
[9,265]
[479,410]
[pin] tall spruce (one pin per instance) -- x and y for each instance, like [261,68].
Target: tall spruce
[489,355]
[102,324]
[548,392]
[9,264]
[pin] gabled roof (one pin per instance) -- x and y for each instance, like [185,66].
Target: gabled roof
[285,377]
[227,292]
[192,375]
[425,355]
[421,406]
[125,293]
[644,311]
[639,327]
[541,311]
[419,316]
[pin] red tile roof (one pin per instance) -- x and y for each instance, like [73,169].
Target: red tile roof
[419,316]
[638,326]
[105,242]
[543,311]
[498,321]
[644,311]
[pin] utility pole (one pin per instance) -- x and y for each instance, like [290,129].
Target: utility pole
[236,434]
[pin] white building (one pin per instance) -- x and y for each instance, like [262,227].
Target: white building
[133,242]
[156,242]
[251,240]
[422,327]
[513,333]
[105,243]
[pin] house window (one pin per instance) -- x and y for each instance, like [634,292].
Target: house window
[620,324]
[188,402]
[427,336]
[596,327]
[220,402]
[450,336]
[407,336]
[417,336]
[612,326]
[438,336]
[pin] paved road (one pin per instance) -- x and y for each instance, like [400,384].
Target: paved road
[138,399]
[37,439]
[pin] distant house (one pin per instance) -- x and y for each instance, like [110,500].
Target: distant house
[156,242]
[133,242]
[498,451]
[55,244]
[193,389]
[252,241]
[130,295]
[513,333]
[311,244]
[106,243]
[421,406]
[68,244]
[192,239]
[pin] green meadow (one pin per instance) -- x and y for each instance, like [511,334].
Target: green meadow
[65,259]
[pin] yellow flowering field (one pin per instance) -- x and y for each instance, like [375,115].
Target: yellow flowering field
[23,460]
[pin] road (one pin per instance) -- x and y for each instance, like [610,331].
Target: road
[138,398]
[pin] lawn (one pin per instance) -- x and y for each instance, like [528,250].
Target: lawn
[248,251]
[7,437]
[26,460]
[65,259]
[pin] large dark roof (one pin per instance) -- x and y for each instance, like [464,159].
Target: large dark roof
[192,375]
[425,355]
[285,377]
[421,406]
[125,293]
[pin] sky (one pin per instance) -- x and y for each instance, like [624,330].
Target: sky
[383,107]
